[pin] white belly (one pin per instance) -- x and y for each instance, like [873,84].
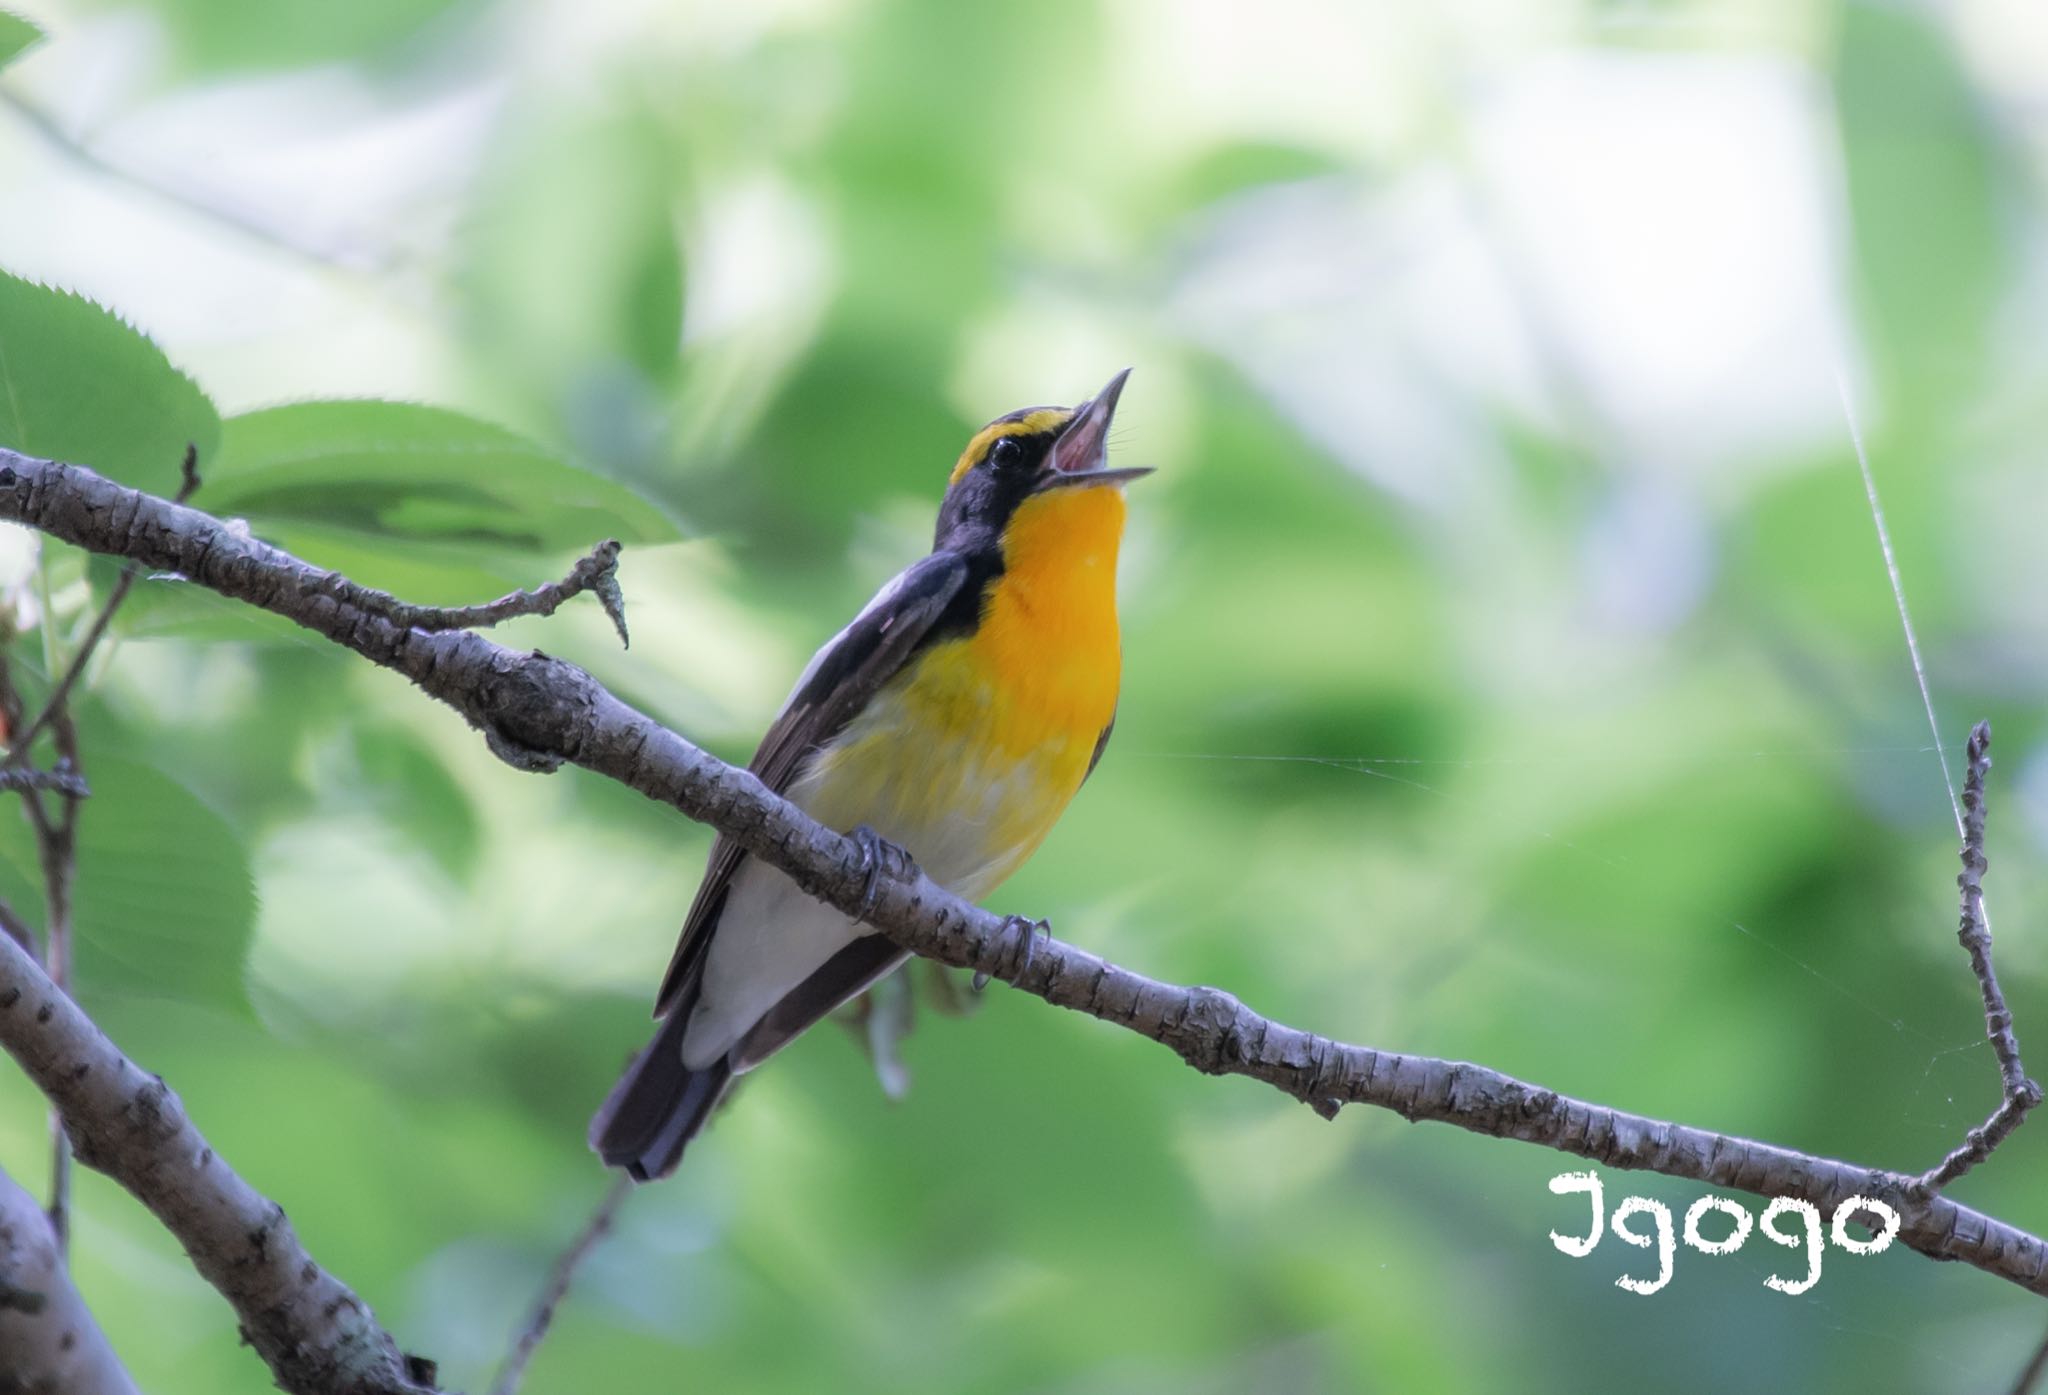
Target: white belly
[963,777]
[771,936]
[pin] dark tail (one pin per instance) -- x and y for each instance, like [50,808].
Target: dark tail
[658,1105]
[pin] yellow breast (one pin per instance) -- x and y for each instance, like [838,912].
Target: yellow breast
[970,755]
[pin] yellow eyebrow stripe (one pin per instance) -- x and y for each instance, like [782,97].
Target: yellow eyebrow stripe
[1032,424]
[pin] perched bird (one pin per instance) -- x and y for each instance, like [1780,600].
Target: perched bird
[954,718]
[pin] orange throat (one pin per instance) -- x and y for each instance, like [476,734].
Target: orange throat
[1048,630]
[968,758]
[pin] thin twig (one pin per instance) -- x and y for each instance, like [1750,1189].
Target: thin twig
[560,1275]
[2030,1375]
[60,695]
[54,853]
[58,840]
[557,713]
[2020,1093]
[16,928]
[61,780]
[1971,931]
[57,837]
[597,570]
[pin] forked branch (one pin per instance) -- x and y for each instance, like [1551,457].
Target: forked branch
[2021,1094]
[550,712]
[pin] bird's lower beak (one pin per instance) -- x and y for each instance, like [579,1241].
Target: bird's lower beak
[1081,454]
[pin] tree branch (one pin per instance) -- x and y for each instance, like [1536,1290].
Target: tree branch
[56,705]
[13,925]
[596,571]
[56,849]
[541,712]
[48,1339]
[2021,1094]
[58,781]
[2030,1374]
[57,837]
[561,1274]
[317,1336]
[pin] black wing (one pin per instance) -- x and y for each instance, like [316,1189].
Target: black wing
[1101,745]
[846,673]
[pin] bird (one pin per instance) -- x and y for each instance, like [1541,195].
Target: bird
[952,720]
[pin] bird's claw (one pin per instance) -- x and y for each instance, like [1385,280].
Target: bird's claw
[1024,932]
[876,854]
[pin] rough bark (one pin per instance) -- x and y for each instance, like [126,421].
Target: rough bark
[49,1343]
[317,1336]
[539,712]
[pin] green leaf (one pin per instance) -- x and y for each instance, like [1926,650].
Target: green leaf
[79,384]
[402,471]
[16,36]
[165,905]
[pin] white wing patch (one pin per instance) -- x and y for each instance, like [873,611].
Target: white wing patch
[771,938]
[946,805]
[881,598]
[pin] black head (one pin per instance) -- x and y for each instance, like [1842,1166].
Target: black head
[1026,453]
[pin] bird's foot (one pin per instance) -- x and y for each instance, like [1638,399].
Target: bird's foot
[877,855]
[1023,932]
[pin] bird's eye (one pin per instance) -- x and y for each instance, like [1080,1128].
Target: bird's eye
[1005,454]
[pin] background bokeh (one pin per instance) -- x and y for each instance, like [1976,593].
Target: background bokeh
[1511,670]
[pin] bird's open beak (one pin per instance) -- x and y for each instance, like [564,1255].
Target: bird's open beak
[1081,454]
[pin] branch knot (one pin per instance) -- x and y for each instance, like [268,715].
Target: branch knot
[1210,1034]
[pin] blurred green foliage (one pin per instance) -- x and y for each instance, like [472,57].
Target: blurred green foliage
[1559,750]
[16,34]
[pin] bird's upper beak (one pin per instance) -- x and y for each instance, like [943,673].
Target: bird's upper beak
[1081,454]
